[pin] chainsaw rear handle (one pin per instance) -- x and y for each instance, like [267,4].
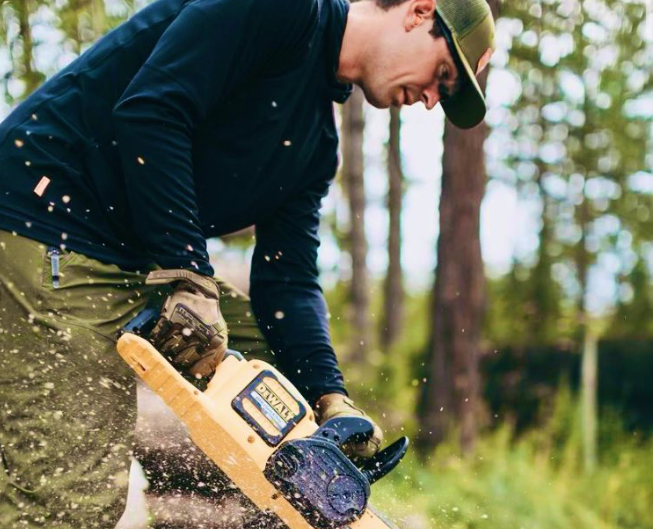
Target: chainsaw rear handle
[143,323]
[343,430]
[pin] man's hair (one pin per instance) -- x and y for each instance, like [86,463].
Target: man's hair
[387,4]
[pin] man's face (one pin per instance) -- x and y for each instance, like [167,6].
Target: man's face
[408,64]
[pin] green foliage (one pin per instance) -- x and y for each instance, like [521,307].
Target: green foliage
[16,37]
[76,24]
[527,309]
[574,145]
[632,317]
[534,482]
[84,21]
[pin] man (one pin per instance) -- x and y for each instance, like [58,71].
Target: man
[194,119]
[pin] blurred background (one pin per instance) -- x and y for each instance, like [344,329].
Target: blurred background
[491,290]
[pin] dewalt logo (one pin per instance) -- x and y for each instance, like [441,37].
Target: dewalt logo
[275,401]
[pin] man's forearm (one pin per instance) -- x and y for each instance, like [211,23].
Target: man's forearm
[294,321]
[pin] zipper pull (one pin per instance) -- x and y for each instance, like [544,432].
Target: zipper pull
[54,262]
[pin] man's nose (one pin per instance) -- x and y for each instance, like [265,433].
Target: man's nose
[430,98]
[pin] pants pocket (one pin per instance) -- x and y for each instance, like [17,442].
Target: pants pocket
[79,291]
[54,264]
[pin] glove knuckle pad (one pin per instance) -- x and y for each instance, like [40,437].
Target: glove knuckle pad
[191,330]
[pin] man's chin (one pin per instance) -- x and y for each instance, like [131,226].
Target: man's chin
[380,105]
[374,100]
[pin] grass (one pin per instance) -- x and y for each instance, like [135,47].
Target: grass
[534,482]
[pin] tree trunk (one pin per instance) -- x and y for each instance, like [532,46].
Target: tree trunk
[353,125]
[452,388]
[589,406]
[29,76]
[587,342]
[542,310]
[451,393]
[393,288]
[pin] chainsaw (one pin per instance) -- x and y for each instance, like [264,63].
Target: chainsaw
[261,433]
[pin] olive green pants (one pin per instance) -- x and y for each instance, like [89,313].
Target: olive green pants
[67,400]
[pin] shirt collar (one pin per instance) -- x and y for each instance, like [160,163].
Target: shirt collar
[334,33]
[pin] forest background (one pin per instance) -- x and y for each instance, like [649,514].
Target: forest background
[490,290]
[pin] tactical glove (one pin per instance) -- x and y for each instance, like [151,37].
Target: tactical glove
[337,405]
[191,331]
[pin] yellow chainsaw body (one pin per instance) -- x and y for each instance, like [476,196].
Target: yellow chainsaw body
[247,411]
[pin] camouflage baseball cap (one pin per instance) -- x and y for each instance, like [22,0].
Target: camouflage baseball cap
[471,39]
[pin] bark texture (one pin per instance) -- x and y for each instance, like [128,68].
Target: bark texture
[451,391]
[353,125]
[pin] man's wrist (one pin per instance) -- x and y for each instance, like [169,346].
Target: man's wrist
[325,393]
[333,403]
[205,284]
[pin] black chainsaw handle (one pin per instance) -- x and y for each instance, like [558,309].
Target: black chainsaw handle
[342,430]
[385,461]
[143,323]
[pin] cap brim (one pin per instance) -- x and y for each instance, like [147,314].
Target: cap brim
[466,109]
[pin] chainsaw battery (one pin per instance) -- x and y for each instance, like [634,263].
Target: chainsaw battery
[268,408]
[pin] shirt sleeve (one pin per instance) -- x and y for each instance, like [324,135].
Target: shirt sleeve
[207,52]
[287,299]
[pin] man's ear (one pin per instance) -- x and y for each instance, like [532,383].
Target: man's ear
[418,12]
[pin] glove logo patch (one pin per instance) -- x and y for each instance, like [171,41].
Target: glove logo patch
[269,408]
[189,319]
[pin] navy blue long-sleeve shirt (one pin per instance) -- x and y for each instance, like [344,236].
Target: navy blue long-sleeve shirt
[192,120]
